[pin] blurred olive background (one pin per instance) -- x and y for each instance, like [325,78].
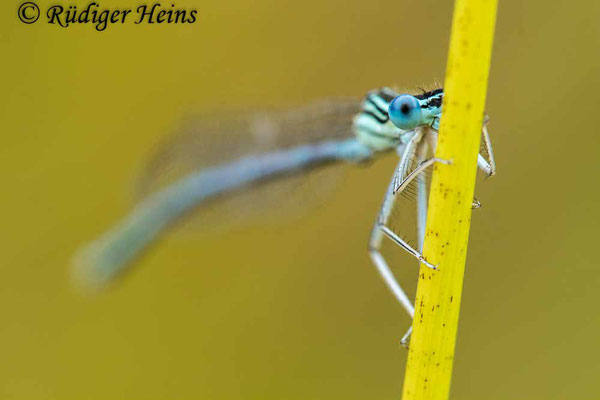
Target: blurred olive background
[291,310]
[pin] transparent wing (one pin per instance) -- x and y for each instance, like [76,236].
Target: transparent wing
[218,138]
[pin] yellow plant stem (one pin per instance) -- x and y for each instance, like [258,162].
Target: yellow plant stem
[431,353]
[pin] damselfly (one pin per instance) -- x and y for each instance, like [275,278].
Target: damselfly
[356,132]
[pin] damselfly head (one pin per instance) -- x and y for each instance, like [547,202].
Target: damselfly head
[405,112]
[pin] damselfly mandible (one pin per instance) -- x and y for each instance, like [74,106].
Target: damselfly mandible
[355,132]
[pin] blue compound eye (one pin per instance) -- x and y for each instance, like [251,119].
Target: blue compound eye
[405,112]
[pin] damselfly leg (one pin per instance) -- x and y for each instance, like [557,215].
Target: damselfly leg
[486,164]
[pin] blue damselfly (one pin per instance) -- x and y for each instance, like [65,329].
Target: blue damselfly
[354,132]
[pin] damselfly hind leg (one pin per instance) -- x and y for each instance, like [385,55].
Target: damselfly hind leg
[486,164]
[485,159]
